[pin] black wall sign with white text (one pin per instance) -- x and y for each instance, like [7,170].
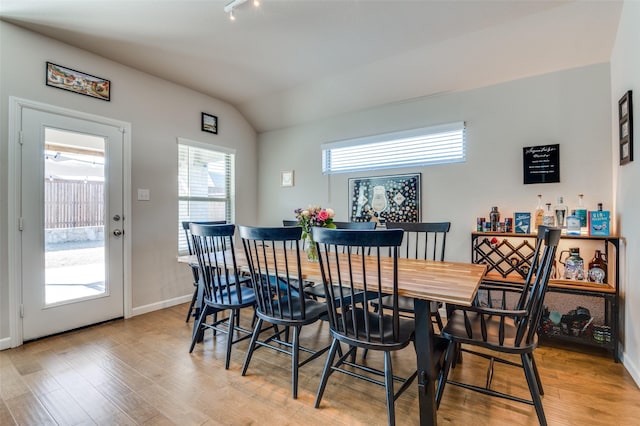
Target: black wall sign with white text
[541,164]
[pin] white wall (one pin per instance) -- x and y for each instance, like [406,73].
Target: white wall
[571,108]
[625,75]
[159,112]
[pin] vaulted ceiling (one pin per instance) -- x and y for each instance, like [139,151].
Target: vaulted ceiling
[289,62]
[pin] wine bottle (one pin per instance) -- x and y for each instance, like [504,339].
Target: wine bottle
[548,218]
[581,212]
[561,212]
[539,213]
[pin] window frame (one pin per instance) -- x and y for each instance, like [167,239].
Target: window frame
[405,136]
[228,199]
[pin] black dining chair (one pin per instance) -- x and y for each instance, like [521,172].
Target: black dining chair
[316,291]
[500,330]
[223,288]
[280,299]
[426,241]
[354,321]
[194,309]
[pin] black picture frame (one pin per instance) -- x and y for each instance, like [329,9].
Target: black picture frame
[77,82]
[209,123]
[625,128]
[541,164]
[394,198]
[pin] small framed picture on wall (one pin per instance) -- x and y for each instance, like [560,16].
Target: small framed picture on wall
[625,128]
[286,178]
[209,123]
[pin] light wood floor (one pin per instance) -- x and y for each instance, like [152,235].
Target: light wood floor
[139,372]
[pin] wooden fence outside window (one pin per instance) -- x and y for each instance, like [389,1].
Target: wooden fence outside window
[73,204]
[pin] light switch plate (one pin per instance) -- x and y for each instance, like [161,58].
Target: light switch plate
[143,195]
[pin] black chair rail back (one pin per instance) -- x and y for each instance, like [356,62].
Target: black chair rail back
[538,290]
[276,277]
[193,309]
[360,322]
[222,287]
[365,226]
[277,280]
[213,246]
[425,240]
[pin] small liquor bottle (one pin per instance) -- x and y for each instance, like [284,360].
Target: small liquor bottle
[548,218]
[581,212]
[494,218]
[573,224]
[539,212]
[561,212]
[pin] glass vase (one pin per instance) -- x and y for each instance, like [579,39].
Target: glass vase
[311,249]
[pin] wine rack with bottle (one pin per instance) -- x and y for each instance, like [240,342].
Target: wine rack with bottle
[508,258]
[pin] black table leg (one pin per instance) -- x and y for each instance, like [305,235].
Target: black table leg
[424,355]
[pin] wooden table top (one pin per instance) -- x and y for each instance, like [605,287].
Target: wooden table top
[451,282]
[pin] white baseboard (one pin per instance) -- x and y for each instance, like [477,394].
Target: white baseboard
[5,343]
[160,305]
[632,367]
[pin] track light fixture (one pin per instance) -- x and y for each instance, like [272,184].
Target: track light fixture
[235,3]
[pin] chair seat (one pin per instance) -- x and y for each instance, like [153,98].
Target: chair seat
[471,332]
[231,299]
[292,314]
[379,339]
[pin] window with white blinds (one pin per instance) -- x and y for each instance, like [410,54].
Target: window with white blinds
[417,147]
[205,185]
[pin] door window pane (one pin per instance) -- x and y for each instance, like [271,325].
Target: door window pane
[74,205]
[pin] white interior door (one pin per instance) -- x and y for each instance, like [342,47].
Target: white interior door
[71,197]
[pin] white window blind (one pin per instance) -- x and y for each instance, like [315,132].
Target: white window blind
[417,147]
[205,185]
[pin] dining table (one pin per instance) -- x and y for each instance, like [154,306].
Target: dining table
[423,281]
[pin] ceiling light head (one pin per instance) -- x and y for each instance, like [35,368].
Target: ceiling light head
[234,3]
[231,16]
[256,3]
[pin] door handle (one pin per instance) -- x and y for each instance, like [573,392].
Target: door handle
[118,232]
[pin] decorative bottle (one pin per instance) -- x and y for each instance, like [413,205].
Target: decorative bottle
[561,211]
[548,218]
[598,268]
[581,212]
[539,213]
[494,218]
[573,224]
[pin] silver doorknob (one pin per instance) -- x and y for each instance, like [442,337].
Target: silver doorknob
[116,217]
[118,232]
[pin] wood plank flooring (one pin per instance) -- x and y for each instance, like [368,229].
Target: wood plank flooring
[139,372]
